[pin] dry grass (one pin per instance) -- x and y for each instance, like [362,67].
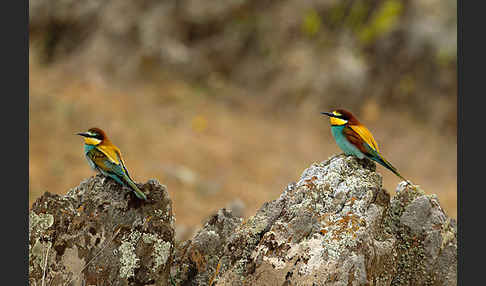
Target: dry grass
[206,149]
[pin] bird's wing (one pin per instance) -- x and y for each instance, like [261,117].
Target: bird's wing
[356,139]
[101,160]
[366,135]
[120,158]
[361,137]
[110,151]
[114,155]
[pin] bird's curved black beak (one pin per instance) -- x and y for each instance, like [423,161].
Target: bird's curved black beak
[328,114]
[84,134]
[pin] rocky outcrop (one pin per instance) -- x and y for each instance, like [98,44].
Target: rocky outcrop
[100,234]
[197,260]
[335,226]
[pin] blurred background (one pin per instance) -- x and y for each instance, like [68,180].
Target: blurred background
[220,100]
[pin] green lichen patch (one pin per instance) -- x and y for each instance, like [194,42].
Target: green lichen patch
[165,216]
[162,249]
[448,234]
[39,242]
[128,258]
[408,219]
[411,258]
[38,223]
[37,253]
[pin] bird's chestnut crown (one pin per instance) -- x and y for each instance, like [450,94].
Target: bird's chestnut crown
[341,117]
[93,136]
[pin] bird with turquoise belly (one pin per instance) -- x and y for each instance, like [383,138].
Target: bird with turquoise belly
[355,139]
[104,157]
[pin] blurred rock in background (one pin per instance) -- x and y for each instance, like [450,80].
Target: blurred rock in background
[396,52]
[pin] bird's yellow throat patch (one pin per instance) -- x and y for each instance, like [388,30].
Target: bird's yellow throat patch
[337,121]
[91,141]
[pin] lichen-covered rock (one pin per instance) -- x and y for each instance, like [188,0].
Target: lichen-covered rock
[197,260]
[426,239]
[337,226]
[100,234]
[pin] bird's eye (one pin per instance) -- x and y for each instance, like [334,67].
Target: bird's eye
[93,135]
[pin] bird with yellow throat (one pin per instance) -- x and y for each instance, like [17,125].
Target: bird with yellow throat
[355,139]
[104,157]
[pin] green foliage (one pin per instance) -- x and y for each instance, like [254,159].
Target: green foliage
[367,27]
[382,22]
[358,14]
[312,23]
[337,13]
[444,57]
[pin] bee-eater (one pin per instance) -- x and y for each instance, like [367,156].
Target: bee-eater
[106,158]
[355,139]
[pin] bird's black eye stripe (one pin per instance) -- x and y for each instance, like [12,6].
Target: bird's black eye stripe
[96,136]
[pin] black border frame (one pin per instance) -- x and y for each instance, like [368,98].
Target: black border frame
[460,138]
[471,61]
[15,140]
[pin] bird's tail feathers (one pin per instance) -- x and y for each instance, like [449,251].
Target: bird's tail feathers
[136,190]
[390,167]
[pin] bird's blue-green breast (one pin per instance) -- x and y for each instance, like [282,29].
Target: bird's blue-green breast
[88,148]
[343,143]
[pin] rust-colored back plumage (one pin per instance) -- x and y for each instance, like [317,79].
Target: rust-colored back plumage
[358,132]
[345,124]
[106,158]
[366,135]
[112,152]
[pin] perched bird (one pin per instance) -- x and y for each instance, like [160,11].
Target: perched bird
[106,158]
[355,139]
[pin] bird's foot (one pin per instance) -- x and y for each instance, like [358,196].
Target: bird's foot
[413,186]
[418,189]
[408,183]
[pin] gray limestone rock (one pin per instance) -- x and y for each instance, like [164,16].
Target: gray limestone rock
[335,226]
[100,234]
[197,260]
